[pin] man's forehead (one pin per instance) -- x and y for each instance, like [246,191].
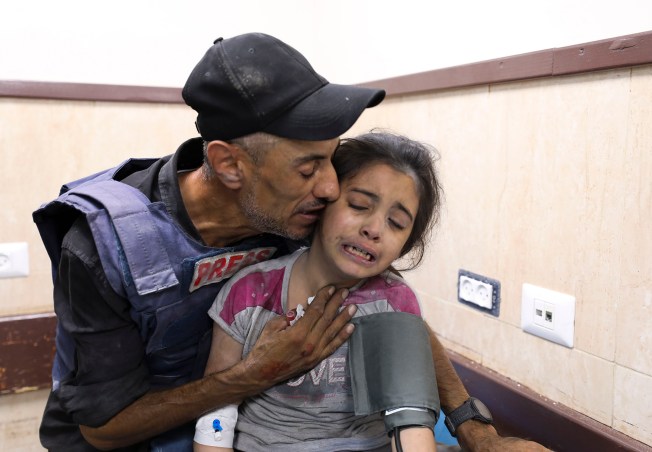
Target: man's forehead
[306,151]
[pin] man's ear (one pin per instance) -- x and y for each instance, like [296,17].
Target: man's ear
[225,158]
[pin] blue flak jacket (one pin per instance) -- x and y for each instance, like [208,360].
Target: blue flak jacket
[169,278]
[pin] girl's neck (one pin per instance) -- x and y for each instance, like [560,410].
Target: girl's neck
[309,274]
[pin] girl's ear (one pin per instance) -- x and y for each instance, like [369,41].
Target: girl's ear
[224,159]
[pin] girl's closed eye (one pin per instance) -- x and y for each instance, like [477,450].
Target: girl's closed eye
[359,200]
[397,224]
[357,206]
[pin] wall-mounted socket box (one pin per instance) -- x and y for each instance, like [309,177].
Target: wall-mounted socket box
[479,292]
[548,314]
[14,260]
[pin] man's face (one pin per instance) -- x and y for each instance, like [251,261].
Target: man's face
[286,193]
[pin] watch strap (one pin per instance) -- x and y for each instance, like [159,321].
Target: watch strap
[463,413]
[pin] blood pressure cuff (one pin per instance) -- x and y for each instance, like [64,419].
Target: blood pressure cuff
[391,367]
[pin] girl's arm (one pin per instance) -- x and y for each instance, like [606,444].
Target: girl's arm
[416,439]
[225,352]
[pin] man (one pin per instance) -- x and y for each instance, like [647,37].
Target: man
[139,261]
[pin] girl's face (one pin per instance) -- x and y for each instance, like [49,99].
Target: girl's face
[363,232]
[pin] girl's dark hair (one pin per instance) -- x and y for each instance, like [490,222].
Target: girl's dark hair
[402,154]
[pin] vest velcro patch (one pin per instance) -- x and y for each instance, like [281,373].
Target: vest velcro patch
[214,269]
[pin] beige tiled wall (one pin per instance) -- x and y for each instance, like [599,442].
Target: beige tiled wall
[547,182]
[44,144]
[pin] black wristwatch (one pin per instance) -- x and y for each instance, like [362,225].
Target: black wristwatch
[471,409]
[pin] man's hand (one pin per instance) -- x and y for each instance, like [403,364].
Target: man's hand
[474,436]
[282,352]
[517,444]
[508,444]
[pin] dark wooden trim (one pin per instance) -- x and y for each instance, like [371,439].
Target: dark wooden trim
[521,67]
[521,412]
[623,51]
[90,92]
[26,352]
[631,50]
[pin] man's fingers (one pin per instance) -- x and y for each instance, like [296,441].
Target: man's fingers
[319,302]
[315,310]
[322,313]
[275,324]
[321,297]
[333,329]
[321,327]
[333,306]
[315,336]
[338,333]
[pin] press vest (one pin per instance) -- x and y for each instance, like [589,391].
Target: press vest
[169,278]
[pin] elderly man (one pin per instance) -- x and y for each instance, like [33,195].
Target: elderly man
[140,251]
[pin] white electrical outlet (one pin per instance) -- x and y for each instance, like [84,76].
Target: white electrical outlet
[548,314]
[14,260]
[474,291]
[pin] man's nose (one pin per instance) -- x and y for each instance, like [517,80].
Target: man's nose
[327,187]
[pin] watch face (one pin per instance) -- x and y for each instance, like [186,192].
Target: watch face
[482,408]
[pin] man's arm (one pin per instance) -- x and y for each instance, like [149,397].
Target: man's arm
[472,435]
[279,354]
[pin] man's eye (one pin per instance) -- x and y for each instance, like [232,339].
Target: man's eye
[308,172]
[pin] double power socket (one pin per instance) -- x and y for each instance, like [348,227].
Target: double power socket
[479,292]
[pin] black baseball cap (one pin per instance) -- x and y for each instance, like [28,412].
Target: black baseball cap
[256,83]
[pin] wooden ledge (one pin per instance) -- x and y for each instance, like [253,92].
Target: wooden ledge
[26,352]
[519,411]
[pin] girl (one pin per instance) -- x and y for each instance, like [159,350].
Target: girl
[390,199]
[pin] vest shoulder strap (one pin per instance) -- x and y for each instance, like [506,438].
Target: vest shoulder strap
[139,238]
[112,205]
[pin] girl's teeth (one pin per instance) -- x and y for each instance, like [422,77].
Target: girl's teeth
[358,252]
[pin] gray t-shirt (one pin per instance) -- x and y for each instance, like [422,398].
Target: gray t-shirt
[313,412]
